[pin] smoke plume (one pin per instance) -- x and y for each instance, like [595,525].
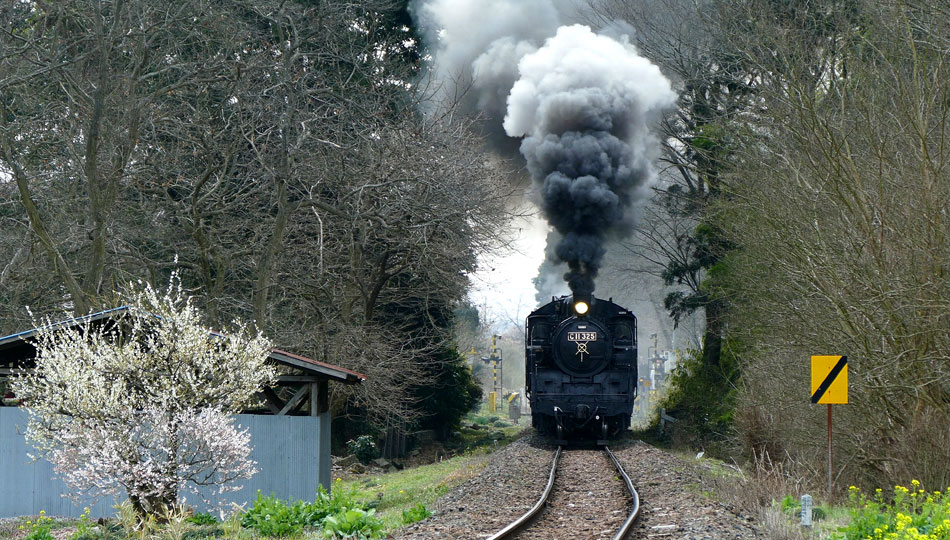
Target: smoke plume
[581,102]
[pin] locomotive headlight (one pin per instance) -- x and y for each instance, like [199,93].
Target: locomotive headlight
[581,308]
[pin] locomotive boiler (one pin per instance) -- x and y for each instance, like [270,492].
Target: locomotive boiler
[581,368]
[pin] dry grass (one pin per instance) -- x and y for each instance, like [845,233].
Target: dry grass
[758,490]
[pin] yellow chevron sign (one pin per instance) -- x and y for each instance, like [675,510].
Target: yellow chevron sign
[829,380]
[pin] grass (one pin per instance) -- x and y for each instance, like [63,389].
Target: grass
[770,495]
[396,492]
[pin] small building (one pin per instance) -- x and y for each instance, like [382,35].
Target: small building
[290,433]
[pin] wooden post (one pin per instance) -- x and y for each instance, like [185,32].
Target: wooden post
[314,399]
[319,397]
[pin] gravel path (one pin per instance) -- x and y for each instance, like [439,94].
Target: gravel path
[670,504]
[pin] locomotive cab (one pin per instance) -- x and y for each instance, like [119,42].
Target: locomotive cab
[581,367]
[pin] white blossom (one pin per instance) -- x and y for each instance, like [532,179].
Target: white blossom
[144,405]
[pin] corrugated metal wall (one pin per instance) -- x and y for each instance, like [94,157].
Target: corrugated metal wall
[292,455]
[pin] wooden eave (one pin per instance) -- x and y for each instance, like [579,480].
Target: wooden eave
[316,368]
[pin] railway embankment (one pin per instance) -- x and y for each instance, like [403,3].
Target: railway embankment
[675,502]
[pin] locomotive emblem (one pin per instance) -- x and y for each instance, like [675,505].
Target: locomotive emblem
[582,339]
[582,336]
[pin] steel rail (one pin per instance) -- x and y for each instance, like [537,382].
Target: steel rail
[635,511]
[520,522]
[530,514]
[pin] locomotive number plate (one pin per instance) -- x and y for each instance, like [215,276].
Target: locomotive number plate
[582,336]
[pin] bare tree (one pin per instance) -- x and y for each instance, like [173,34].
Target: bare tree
[271,150]
[842,214]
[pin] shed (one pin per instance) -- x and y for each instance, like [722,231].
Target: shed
[290,434]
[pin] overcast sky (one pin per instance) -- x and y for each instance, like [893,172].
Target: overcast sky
[502,287]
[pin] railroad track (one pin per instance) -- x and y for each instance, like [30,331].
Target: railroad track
[519,526]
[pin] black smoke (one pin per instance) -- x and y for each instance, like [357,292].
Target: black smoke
[586,181]
[584,103]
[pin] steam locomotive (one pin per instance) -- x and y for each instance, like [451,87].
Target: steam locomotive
[581,368]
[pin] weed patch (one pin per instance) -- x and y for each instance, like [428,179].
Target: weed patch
[912,514]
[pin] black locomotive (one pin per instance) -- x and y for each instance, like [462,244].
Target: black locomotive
[581,368]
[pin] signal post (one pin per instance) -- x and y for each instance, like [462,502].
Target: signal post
[497,372]
[829,385]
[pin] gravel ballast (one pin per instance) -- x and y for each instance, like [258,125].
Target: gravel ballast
[671,506]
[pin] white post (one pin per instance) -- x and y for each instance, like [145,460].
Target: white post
[806,510]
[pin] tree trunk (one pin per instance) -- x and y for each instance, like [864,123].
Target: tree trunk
[712,336]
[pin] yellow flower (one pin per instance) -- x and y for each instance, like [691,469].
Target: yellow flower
[914,483]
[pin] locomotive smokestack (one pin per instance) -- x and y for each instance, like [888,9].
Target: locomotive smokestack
[584,102]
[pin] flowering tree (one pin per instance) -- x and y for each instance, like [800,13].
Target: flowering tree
[143,404]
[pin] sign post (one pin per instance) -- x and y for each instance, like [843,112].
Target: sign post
[829,385]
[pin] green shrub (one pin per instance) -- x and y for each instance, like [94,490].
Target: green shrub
[363,448]
[414,514]
[703,421]
[913,514]
[39,529]
[83,530]
[450,395]
[790,504]
[202,518]
[354,523]
[272,517]
[328,504]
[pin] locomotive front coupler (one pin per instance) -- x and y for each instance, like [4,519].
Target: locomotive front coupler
[582,411]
